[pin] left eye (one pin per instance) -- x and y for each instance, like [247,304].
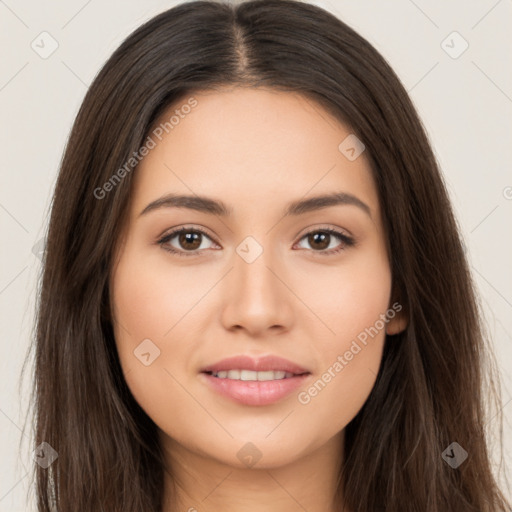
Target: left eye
[190,241]
[322,238]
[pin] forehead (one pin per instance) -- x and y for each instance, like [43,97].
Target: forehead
[253,148]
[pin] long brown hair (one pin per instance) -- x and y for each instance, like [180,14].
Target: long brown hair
[436,377]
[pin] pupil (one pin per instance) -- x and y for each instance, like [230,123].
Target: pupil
[187,238]
[324,238]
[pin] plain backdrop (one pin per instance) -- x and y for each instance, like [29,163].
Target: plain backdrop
[461,84]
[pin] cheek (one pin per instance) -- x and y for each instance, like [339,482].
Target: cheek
[151,300]
[347,298]
[351,301]
[149,306]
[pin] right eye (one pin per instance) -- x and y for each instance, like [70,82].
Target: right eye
[190,240]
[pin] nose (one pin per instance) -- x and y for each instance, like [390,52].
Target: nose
[257,296]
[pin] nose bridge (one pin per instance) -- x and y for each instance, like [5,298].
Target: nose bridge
[252,263]
[256,298]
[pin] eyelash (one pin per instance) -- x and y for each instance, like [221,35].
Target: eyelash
[347,241]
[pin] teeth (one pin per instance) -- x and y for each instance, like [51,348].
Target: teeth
[248,375]
[271,375]
[252,375]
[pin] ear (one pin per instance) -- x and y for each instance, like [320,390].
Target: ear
[399,322]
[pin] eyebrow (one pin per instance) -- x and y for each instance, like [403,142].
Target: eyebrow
[216,207]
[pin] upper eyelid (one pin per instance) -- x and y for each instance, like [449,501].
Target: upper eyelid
[336,231]
[175,231]
[326,227]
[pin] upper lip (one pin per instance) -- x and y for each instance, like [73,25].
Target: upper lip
[259,364]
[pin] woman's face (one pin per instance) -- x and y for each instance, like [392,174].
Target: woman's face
[262,279]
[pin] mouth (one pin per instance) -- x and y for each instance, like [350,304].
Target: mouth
[250,375]
[250,381]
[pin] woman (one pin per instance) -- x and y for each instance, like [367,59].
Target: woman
[255,295]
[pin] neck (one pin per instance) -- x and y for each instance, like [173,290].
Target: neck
[202,484]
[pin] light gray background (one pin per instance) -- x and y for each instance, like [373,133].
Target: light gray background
[465,104]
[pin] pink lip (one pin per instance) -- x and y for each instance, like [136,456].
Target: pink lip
[255,392]
[262,364]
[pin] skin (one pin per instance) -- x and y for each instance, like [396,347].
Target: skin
[256,150]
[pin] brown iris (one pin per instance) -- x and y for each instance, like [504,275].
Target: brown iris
[190,238]
[320,237]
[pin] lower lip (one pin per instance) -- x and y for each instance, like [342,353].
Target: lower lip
[255,392]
